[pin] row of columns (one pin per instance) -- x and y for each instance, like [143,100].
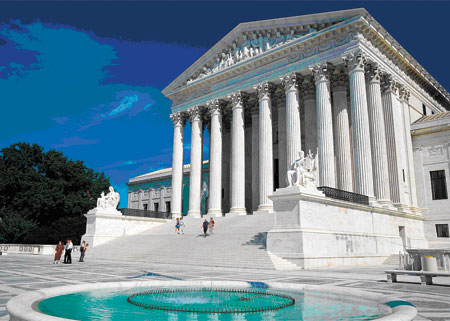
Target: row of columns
[366,139]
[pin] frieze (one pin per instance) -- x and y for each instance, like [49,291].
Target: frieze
[248,48]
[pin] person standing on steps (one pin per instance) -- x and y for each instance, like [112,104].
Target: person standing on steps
[177,226]
[205,226]
[182,225]
[211,225]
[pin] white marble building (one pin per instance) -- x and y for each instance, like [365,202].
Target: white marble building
[431,144]
[335,82]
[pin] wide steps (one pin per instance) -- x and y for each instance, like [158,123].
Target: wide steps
[238,241]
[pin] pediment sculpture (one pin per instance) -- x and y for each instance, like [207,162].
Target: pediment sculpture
[110,200]
[248,48]
[303,172]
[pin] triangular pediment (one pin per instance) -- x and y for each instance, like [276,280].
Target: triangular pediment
[250,39]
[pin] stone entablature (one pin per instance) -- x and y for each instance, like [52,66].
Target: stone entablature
[298,55]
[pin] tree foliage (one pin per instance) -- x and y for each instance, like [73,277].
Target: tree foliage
[43,195]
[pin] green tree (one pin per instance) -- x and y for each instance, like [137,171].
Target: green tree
[43,195]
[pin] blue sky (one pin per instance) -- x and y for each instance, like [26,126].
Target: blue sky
[85,78]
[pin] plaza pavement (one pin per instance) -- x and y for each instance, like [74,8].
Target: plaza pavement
[19,273]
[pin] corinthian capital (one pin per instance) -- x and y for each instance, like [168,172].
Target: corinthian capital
[237,99]
[373,72]
[178,118]
[263,90]
[214,106]
[320,72]
[289,82]
[404,93]
[355,61]
[389,84]
[195,113]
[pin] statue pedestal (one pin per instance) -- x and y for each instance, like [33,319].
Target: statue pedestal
[313,231]
[104,225]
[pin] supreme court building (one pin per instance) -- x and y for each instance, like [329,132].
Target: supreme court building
[336,84]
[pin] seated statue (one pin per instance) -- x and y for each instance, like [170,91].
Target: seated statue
[303,171]
[110,200]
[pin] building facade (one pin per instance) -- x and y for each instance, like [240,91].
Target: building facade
[336,84]
[431,143]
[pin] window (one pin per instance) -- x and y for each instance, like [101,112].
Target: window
[424,109]
[156,205]
[442,230]
[438,185]
[167,207]
[145,207]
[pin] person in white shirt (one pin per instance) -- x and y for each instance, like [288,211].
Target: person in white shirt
[68,253]
[182,225]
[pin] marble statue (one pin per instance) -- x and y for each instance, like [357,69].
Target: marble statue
[110,200]
[303,171]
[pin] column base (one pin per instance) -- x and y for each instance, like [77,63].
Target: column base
[264,208]
[415,210]
[216,212]
[237,211]
[196,214]
[402,207]
[176,214]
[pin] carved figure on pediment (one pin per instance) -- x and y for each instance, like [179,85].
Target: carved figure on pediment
[216,66]
[236,52]
[279,40]
[266,42]
[230,60]
[290,36]
[303,171]
[110,200]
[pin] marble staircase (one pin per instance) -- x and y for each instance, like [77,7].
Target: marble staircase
[237,241]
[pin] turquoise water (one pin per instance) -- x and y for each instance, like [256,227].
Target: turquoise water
[113,305]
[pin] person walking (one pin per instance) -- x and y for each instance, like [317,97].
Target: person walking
[177,226]
[182,225]
[83,247]
[211,225]
[205,226]
[68,253]
[58,251]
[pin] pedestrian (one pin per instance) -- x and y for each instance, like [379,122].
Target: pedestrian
[205,226]
[82,251]
[177,226]
[58,251]
[182,225]
[68,253]
[211,225]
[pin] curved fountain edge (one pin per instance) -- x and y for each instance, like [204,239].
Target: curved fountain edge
[24,306]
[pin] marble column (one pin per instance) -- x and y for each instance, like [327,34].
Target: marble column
[237,155]
[360,122]
[195,116]
[179,120]
[394,146]
[282,154]
[265,148]
[342,131]
[215,158]
[404,99]
[293,131]
[162,203]
[255,158]
[327,170]
[378,137]
[308,94]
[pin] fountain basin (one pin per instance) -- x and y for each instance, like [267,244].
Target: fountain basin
[31,306]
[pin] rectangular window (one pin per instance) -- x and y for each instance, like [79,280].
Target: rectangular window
[156,205]
[424,109]
[167,207]
[442,230]
[145,207]
[438,185]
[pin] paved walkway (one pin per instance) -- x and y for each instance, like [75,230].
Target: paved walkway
[19,273]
